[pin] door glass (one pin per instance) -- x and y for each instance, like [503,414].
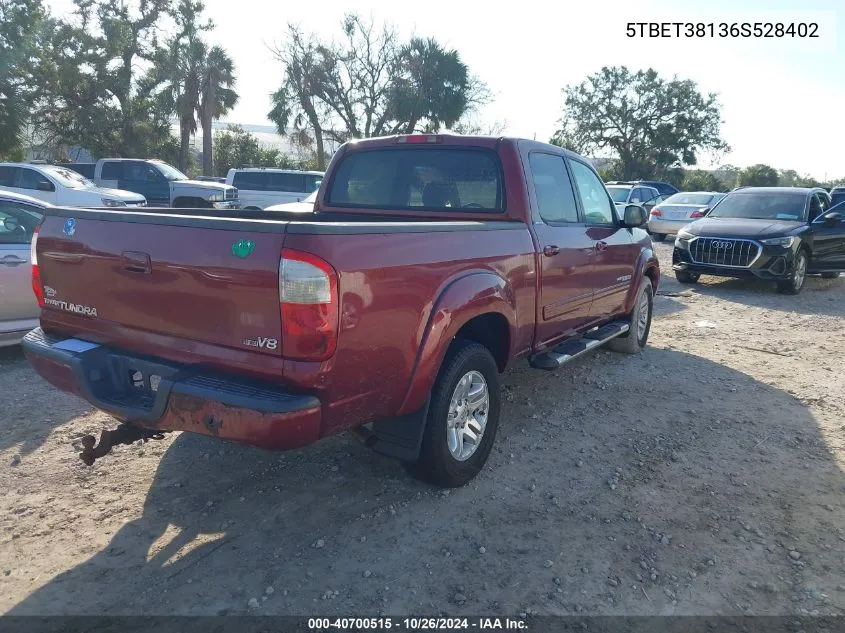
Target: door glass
[7,176]
[140,172]
[555,198]
[30,179]
[112,171]
[17,223]
[250,180]
[286,182]
[815,207]
[597,206]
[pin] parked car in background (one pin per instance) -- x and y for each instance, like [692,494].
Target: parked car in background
[19,215]
[663,188]
[161,184]
[86,169]
[623,195]
[62,186]
[211,179]
[837,195]
[305,206]
[780,234]
[430,262]
[261,187]
[678,210]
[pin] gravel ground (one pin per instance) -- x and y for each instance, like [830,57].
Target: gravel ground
[701,477]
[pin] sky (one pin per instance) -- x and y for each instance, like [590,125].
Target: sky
[783,100]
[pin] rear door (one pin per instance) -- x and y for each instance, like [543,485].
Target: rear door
[17,301]
[193,279]
[616,254]
[565,249]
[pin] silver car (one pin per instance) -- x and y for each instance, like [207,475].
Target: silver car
[19,215]
[678,210]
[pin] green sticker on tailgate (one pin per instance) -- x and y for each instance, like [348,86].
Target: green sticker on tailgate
[243,248]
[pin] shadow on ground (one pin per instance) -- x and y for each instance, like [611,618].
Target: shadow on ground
[605,470]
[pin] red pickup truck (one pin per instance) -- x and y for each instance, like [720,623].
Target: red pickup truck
[428,264]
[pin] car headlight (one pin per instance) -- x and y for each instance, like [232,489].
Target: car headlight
[780,241]
[108,202]
[685,235]
[216,197]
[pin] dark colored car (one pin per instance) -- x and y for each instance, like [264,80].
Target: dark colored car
[779,234]
[429,263]
[663,188]
[837,195]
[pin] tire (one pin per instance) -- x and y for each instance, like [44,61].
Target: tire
[795,283]
[686,277]
[438,463]
[635,340]
[830,275]
[658,237]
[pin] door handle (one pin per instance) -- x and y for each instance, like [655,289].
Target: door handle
[136,262]
[601,246]
[551,251]
[13,260]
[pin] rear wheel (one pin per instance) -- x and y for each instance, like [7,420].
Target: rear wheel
[795,283]
[463,417]
[830,275]
[635,340]
[686,277]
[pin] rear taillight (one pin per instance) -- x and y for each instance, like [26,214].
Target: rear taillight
[418,138]
[656,212]
[696,214]
[37,288]
[309,306]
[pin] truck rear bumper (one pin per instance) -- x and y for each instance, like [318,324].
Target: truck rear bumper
[156,394]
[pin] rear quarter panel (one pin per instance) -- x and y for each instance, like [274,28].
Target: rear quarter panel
[390,285]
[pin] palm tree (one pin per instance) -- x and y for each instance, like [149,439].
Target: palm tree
[217,97]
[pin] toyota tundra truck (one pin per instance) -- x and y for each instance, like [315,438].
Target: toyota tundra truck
[429,263]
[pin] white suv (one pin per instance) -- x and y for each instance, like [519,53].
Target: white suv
[63,187]
[259,187]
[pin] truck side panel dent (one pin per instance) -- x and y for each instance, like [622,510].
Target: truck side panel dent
[472,295]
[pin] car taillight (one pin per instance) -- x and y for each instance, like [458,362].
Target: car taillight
[37,288]
[696,214]
[308,304]
[418,138]
[656,212]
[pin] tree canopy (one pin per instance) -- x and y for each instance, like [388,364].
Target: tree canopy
[650,124]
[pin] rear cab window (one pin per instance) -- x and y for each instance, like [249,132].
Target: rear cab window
[419,179]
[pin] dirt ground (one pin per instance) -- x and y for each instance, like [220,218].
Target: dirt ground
[701,477]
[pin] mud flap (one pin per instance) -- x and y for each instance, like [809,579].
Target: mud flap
[399,437]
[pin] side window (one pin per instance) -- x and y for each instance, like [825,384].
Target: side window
[815,207]
[31,179]
[597,206]
[555,198]
[312,183]
[112,170]
[250,180]
[824,201]
[637,195]
[286,182]
[7,176]
[140,172]
[17,222]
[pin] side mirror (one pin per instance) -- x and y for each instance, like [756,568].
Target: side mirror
[45,185]
[832,219]
[635,216]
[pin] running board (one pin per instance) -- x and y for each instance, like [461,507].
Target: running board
[566,351]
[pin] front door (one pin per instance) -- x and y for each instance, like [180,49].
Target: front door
[145,179]
[615,253]
[828,237]
[17,301]
[565,250]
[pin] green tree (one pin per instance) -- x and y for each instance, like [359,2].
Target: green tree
[217,97]
[650,124]
[24,27]
[175,76]
[702,180]
[236,147]
[758,176]
[369,84]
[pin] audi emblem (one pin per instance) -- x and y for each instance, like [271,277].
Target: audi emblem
[723,245]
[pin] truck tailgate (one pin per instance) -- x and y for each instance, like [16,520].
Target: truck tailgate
[211,281]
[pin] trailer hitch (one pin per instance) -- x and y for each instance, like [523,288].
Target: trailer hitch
[123,434]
